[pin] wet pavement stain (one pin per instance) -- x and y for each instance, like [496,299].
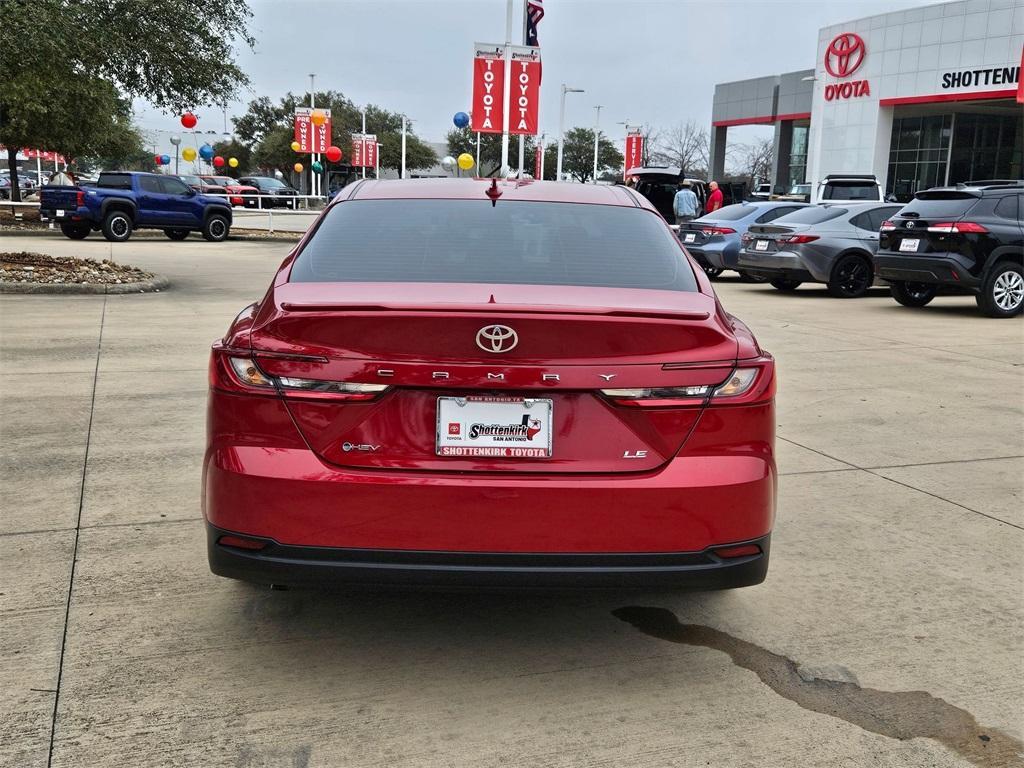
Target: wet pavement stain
[897,714]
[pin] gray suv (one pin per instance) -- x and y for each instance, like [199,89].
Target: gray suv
[831,244]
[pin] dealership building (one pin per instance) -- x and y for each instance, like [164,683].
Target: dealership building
[922,97]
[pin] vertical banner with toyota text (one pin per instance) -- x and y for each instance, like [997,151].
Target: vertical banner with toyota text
[312,138]
[488,88]
[634,152]
[525,96]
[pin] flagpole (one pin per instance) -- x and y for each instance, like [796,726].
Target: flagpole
[506,98]
[478,154]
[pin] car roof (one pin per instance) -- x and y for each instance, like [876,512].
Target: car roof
[857,204]
[476,189]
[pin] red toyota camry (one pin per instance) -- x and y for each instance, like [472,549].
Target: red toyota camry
[458,382]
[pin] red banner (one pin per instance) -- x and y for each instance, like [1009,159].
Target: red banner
[537,157]
[525,91]
[1020,78]
[312,138]
[488,88]
[364,150]
[634,152]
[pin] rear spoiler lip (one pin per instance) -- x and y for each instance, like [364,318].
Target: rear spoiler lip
[510,309]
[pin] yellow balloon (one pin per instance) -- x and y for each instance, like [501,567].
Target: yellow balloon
[465,161]
[298,167]
[317,118]
[296,146]
[188,154]
[233,162]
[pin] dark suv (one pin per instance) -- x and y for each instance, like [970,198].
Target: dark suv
[966,238]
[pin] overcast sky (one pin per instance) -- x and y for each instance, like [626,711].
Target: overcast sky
[653,62]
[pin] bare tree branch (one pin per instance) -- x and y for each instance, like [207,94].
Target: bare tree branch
[685,145]
[754,160]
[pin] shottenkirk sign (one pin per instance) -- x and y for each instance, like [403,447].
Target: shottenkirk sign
[966,78]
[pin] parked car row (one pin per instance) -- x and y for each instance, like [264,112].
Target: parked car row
[963,239]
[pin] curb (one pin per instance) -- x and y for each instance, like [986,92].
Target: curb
[158,283]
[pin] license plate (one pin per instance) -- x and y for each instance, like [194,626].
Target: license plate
[761,245]
[909,244]
[60,214]
[486,426]
[690,238]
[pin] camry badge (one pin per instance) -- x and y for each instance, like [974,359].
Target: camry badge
[496,338]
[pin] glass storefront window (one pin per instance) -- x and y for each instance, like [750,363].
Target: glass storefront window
[917,154]
[798,155]
[987,147]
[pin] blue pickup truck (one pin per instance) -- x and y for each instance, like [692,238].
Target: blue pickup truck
[122,202]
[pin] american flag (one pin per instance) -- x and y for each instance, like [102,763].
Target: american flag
[534,13]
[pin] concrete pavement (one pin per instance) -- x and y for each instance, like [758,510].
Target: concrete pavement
[896,567]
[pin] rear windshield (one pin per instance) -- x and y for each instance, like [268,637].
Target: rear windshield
[729,213]
[929,205]
[812,214]
[516,242]
[849,190]
[115,181]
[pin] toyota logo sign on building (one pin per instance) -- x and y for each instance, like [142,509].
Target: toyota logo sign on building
[844,54]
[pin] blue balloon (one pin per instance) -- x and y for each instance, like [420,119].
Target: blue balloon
[461,119]
[206,152]
[165,159]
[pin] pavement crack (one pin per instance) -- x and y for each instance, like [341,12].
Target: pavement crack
[898,715]
[78,531]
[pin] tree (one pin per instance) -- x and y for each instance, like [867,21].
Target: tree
[123,149]
[754,161]
[267,130]
[684,145]
[464,140]
[578,155]
[236,149]
[69,67]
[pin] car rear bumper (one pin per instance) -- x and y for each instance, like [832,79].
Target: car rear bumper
[777,264]
[322,566]
[718,255]
[950,269]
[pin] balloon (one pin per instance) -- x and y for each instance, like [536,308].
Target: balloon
[298,167]
[218,162]
[333,154]
[188,154]
[296,146]
[175,140]
[461,119]
[158,159]
[277,174]
[188,120]
[448,162]
[316,166]
[465,161]
[165,159]
[317,118]
[206,152]
[233,162]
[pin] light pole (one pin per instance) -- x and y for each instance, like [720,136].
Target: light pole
[543,136]
[403,147]
[597,122]
[508,89]
[176,141]
[561,128]
[312,156]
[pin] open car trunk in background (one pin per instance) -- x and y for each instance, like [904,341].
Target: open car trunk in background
[425,337]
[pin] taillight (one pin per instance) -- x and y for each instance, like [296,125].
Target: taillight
[800,239]
[888,226]
[740,382]
[958,227]
[718,231]
[235,200]
[80,198]
[236,372]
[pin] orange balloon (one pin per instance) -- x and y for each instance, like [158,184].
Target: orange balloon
[317,118]
[298,167]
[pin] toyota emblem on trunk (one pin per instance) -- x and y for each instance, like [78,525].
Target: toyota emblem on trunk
[496,338]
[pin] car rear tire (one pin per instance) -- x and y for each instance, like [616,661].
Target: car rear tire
[75,231]
[117,226]
[176,234]
[913,294]
[784,284]
[215,228]
[713,272]
[1002,292]
[851,277]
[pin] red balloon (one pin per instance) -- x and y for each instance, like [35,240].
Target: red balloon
[188,120]
[218,162]
[157,159]
[333,154]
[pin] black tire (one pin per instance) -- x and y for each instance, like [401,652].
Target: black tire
[216,228]
[117,226]
[1002,291]
[913,294]
[851,277]
[176,234]
[785,284]
[712,272]
[75,231]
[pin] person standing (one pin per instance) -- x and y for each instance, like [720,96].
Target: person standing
[715,199]
[684,205]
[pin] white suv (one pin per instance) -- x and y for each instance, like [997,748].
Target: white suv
[848,186]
